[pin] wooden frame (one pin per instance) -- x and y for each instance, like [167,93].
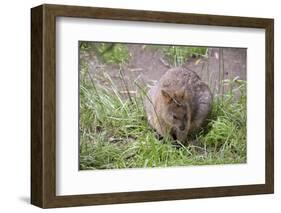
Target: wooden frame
[43,106]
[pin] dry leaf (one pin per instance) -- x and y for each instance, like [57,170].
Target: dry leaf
[197,61]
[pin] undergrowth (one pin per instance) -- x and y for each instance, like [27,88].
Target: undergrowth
[178,55]
[114,132]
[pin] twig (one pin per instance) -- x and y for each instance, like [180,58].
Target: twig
[125,92]
[94,86]
[164,62]
[125,85]
[136,69]
[114,88]
[222,72]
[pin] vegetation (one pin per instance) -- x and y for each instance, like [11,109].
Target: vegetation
[177,55]
[114,132]
[110,53]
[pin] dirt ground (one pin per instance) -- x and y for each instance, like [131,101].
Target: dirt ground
[148,64]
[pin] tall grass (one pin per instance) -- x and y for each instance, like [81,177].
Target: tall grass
[114,132]
[178,55]
[109,53]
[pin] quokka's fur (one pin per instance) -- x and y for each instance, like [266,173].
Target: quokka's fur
[178,104]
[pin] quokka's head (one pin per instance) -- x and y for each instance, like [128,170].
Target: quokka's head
[176,112]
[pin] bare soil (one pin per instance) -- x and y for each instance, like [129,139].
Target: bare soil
[148,64]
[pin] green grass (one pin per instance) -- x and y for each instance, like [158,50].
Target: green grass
[109,53]
[178,55]
[116,53]
[114,132]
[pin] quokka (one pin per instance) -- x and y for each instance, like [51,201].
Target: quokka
[178,104]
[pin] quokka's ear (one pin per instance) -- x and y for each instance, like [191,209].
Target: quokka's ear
[166,95]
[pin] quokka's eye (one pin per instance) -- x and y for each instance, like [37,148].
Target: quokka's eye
[175,117]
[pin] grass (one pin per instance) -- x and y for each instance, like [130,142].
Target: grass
[177,55]
[114,132]
[109,53]
[116,53]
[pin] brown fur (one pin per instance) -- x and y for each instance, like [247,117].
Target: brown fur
[178,104]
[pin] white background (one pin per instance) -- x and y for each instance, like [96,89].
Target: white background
[71,181]
[15,106]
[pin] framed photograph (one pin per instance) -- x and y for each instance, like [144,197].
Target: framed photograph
[136,106]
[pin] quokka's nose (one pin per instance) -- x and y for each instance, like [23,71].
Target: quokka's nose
[182,127]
